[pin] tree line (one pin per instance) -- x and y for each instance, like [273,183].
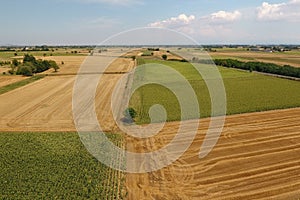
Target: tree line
[31,65]
[3,63]
[271,68]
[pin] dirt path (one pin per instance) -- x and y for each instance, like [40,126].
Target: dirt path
[257,157]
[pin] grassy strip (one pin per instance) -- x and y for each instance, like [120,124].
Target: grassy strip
[246,92]
[19,84]
[53,166]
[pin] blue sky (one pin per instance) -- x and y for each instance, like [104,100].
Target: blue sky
[36,22]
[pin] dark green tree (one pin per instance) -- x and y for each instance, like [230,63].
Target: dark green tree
[130,113]
[53,65]
[25,70]
[15,63]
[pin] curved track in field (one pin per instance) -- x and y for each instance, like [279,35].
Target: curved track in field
[257,157]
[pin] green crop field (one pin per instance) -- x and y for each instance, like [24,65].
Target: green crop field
[246,92]
[53,166]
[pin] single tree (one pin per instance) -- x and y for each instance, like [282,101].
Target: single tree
[15,63]
[54,65]
[130,113]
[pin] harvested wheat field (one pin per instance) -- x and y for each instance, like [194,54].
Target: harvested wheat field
[6,80]
[257,157]
[46,105]
[70,66]
[4,70]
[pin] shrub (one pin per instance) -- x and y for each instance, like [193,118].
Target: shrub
[24,70]
[130,113]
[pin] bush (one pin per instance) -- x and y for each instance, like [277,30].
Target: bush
[11,72]
[24,70]
[165,57]
[129,115]
[53,65]
[15,63]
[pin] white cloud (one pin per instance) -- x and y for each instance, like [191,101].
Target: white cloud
[181,20]
[184,21]
[288,11]
[213,25]
[225,16]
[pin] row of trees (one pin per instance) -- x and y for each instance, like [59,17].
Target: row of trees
[3,63]
[31,65]
[153,49]
[270,68]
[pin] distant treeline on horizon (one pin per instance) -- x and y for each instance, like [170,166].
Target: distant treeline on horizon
[290,46]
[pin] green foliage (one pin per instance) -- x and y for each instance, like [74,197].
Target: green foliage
[24,70]
[18,84]
[165,57]
[271,68]
[29,58]
[246,92]
[130,113]
[31,66]
[15,63]
[153,49]
[53,65]
[3,63]
[53,166]
[147,53]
